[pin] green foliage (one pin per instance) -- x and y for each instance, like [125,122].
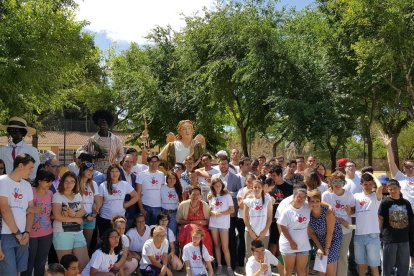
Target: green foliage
[44,57]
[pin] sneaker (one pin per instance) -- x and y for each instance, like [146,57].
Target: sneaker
[230,271]
[411,271]
[219,270]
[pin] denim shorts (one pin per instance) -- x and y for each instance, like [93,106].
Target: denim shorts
[367,249]
[68,240]
[300,253]
[16,256]
[89,225]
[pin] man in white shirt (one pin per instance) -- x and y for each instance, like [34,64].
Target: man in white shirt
[245,165]
[137,168]
[353,181]
[16,196]
[205,173]
[17,129]
[235,158]
[149,187]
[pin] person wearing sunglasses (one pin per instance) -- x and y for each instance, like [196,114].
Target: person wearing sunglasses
[406,180]
[343,204]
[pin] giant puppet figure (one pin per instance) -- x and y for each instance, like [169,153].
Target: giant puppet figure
[183,145]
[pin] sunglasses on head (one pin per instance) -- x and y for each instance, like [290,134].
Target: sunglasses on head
[178,168]
[88,164]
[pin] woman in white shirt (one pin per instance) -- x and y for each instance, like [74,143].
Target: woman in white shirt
[257,216]
[294,240]
[112,195]
[91,200]
[138,235]
[68,212]
[104,258]
[221,206]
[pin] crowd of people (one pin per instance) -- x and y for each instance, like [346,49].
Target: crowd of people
[187,210]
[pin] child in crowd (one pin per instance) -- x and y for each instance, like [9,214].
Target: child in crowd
[55,269]
[196,257]
[155,254]
[70,264]
[367,244]
[259,263]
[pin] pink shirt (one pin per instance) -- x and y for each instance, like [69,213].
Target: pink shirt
[42,225]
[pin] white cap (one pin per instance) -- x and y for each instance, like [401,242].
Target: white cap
[222,153]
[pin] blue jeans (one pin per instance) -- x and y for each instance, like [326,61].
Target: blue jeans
[367,249]
[397,254]
[172,222]
[15,255]
[152,214]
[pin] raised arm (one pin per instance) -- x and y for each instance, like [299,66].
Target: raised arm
[390,154]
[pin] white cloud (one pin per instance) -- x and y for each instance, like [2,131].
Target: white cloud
[131,20]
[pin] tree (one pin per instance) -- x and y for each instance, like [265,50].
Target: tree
[234,56]
[44,58]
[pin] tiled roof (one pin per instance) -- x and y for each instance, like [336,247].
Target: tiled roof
[56,138]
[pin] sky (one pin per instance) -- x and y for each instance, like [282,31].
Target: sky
[126,21]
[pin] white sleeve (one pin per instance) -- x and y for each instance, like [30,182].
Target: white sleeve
[139,179]
[4,191]
[171,236]
[400,176]
[284,218]
[165,246]
[96,259]
[57,198]
[352,200]
[206,255]
[271,258]
[249,269]
[96,188]
[101,189]
[186,256]
[147,250]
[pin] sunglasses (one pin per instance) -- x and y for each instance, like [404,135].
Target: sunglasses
[178,168]
[88,165]
[338,182]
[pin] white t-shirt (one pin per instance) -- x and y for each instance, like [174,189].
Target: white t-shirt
[192,254]
[323,187]
[138,168]
[169,198]
[89,197]
[282,206]
[407,186]
[242,180]
[252,266]
[353,185]
[125,243]
[100,261]
[137,241]
[74,204]
[296,221]
[113,205]
[240,194]
[220,204]
[149,249]
[338,203]
[366,212]
[257,213]
[151,187]
[211,172]
[18,194]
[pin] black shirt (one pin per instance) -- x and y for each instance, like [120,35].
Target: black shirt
[279,193]
[398,218]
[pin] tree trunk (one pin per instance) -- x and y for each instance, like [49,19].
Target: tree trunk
[333,151]
[35,140]
[243,136]
[394,145]
[370,148]
[274,147]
